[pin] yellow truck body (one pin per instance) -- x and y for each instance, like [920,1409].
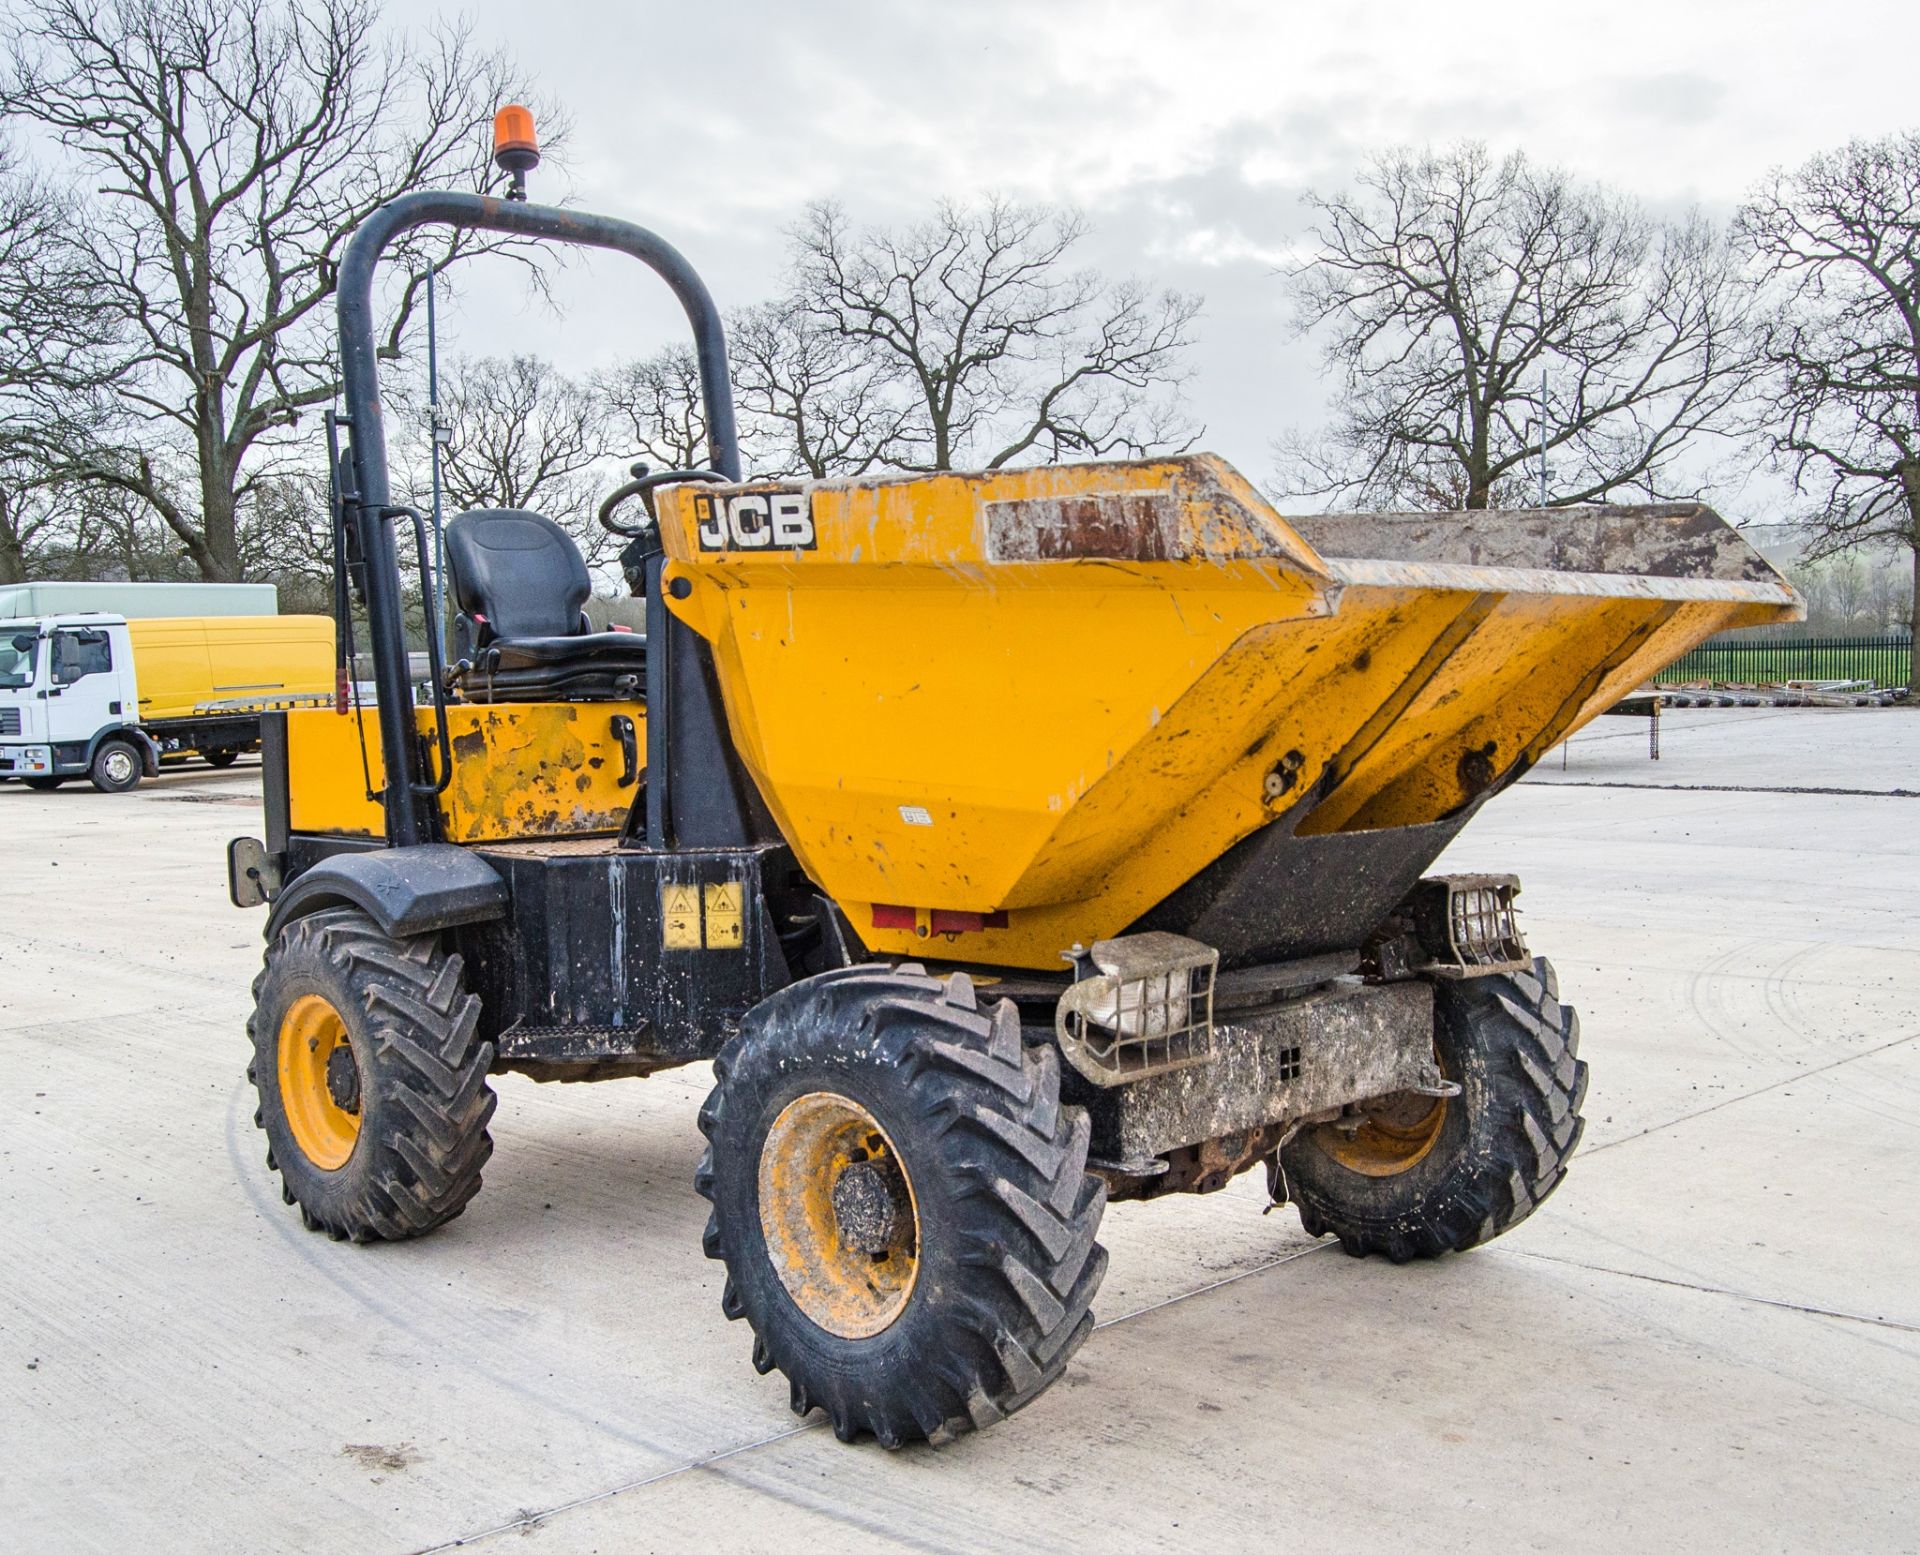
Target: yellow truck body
[200,664]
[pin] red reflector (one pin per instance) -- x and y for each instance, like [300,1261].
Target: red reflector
[885,917]
[944,922]
[341,694]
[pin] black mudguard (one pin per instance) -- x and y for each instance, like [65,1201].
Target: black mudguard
[418,890]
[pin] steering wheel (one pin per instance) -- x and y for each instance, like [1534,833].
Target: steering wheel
[642,486]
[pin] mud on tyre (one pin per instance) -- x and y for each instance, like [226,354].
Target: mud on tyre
[373,1088]
[1421,1177]
[901,1203]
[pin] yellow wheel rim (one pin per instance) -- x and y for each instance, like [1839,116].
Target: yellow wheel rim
[838,1214]
[1395,1136]
[311,1033]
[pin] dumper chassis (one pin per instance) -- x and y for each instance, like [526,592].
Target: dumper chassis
[976,944]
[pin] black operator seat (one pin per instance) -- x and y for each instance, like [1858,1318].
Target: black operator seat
[519,586]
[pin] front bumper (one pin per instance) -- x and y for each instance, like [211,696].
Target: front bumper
[26,761]
[1349,1042]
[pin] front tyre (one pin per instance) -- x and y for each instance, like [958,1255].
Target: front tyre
[901,1203]
[373,1087]
[116,767]
[1415,1177]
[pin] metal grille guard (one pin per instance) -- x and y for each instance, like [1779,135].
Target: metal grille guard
[1143,1005]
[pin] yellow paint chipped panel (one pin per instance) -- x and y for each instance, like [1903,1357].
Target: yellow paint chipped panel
[520,769]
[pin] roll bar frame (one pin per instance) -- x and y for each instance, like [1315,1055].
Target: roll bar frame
[411,814]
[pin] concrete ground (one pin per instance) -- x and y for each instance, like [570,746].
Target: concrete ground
[1708,1339]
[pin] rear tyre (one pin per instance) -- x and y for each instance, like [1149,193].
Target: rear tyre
[373,1087]
[115,768]
[43,784]
[1420,1177]
[220,758]
[901,1203]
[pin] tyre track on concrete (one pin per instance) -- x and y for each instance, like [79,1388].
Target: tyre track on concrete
[50,958]
[1707,987]
[529,1521]
[1865,1397]
[721,1465]
[1780,989]
[1784,992]
[54,1027]
[429,1322]
[1754,962]
[718,1464]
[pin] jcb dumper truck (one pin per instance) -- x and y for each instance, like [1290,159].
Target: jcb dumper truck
[93,694]
[1013,844]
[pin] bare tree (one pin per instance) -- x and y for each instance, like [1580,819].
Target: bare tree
[236,144]
[29,508]
[655,404]
[992,349]
[53,356]
[962,342]
[114,534]
[1890,596]
[1445,283]
[807,401]
[82,530]
[811,400]
[285,539]
[521,435]
[1838,245]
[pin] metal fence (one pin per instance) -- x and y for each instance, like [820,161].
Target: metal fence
[1886,661]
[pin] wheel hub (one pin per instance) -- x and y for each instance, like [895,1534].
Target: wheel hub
[343,1079]
[1388,1137]
[319,1082]
[838,1215]
[864,1207]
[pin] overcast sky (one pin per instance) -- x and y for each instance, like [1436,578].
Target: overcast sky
[1185,131]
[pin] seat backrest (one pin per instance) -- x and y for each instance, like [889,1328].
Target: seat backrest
[518,571]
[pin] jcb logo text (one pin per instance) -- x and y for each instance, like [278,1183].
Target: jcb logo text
[755,521]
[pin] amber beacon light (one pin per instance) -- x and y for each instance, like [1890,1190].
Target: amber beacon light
[516,150]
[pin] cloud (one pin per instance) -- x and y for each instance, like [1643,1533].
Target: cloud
[1187,133]
[1669,97]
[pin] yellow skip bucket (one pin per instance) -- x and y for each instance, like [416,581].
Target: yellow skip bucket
[998,714]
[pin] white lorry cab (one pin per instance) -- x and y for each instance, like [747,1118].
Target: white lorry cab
[94,694]
[66,685]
